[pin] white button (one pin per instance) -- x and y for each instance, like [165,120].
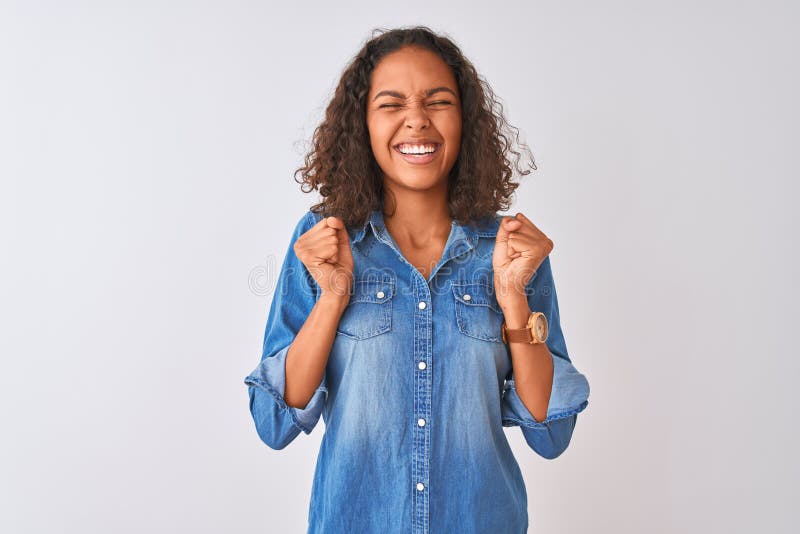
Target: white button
[421,422]
[422,365]
[420,486]
[467,297]
[421,305]
[380,294]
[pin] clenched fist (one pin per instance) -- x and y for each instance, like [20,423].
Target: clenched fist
[519,250]
[325,251]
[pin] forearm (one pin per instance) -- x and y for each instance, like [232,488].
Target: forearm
[532,364]
[308,354]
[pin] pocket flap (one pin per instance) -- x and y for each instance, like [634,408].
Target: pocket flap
[478,293]
[372,290]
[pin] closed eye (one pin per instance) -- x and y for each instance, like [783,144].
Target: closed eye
[438,102]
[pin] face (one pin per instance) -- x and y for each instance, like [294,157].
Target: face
[413,106]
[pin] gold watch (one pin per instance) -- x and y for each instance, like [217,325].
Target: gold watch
[535,331]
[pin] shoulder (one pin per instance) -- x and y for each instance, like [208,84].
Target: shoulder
[304,222]
[486,227]
[310,218]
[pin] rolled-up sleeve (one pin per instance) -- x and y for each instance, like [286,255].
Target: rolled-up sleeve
[570,390]
[295,294]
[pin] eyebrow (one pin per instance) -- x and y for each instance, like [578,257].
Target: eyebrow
[429,92]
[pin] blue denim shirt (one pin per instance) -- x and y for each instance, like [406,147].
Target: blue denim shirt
[417,389]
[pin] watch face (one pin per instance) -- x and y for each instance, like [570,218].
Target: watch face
[541,327]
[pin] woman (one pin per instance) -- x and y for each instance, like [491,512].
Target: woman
[409,314]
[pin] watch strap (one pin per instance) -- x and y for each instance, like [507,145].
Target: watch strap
[521,335]
[517,335]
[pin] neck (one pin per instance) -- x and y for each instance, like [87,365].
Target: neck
[419,217]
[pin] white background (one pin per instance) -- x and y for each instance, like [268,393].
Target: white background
[146,156]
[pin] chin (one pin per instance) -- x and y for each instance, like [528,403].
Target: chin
[418,184]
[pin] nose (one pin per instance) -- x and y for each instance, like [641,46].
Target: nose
[417,117]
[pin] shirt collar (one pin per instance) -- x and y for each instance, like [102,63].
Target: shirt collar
[372,221]
[462,232]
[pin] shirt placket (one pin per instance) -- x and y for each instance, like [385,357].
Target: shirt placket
[423,385]
[423,361]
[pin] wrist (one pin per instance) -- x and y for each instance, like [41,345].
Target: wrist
[516,313]
[333,301]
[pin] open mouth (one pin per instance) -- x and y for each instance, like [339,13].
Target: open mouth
[420,156]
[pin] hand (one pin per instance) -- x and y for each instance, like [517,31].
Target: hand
[325,251]
[520,248]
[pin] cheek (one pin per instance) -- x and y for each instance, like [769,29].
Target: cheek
[453,136]
[457,129]
[379,136]
[380,148]
[375,143]
[456,137]
[451,129]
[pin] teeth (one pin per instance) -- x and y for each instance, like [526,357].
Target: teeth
[417,149]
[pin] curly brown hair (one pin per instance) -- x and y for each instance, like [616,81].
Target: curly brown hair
[341,164]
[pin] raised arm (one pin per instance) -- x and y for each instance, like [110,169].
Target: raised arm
[569,393]
[287,389]
[542,380]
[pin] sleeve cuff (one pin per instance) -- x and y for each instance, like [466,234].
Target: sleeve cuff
[270,376]
[569,395]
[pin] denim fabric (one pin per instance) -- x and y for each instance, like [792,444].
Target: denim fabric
[417,390]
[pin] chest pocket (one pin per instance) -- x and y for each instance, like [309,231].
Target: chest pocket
[477,312]
[369,312]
